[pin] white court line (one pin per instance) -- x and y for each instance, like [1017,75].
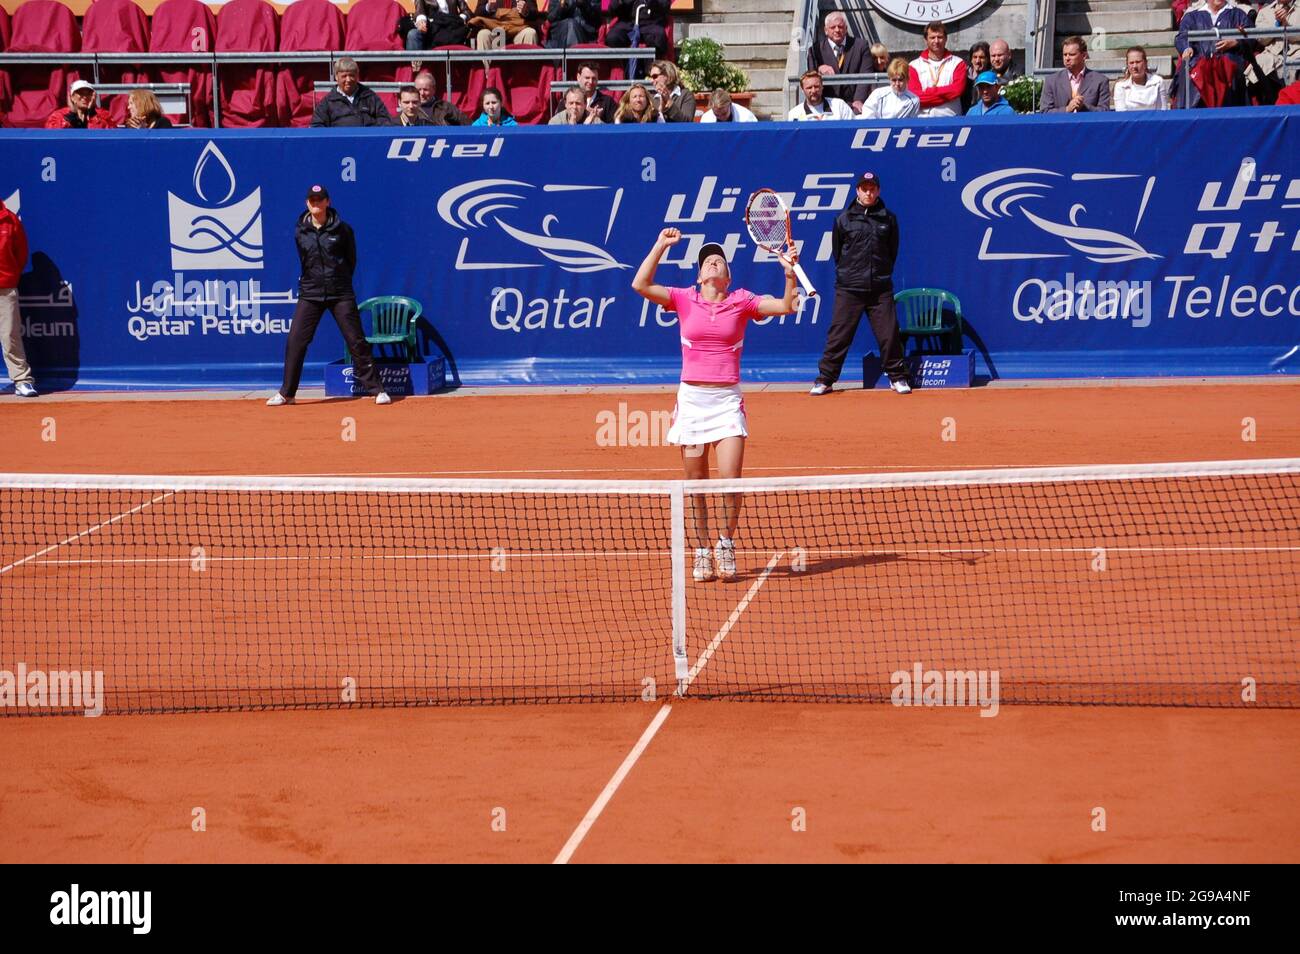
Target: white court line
[611,787]
[84,533]
[816,468]
[726,627]
[606,554]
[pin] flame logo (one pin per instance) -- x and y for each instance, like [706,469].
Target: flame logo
[1002,194]
[215,235]
[474,205]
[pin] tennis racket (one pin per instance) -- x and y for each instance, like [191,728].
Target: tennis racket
[768,221]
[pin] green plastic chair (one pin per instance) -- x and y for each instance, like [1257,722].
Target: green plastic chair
[392,322]
[923,313]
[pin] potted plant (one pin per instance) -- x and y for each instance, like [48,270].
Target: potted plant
[704,68]
[1023,93]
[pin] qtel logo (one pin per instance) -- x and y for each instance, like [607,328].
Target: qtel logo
[1008,194]
[216,235]
[538,216]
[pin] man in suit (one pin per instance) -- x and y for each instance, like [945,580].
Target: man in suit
[837,52]
[1075,89]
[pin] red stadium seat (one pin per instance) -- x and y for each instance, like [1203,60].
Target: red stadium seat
[306,25]
[116,26]
[186,26]
[468,80]
[248,92]
[39,26]
[526,86]
[6,91]
[372,25]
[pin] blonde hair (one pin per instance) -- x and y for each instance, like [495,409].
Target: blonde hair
[878,49]
[624,113]
[897,68]
[669,70]
[146,104]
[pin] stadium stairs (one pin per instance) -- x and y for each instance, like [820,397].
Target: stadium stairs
[1112,26]
[756,34]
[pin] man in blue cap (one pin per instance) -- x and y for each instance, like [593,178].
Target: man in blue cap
[991,101]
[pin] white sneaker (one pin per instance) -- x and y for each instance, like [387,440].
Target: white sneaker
[25,390]
[278,400]
[901,386]
[383,398]
[820,388]
[725,554]
[703,564]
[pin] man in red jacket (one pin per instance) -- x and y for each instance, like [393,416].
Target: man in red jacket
[937,76]
[1290,95]
[13,256]
[80,113]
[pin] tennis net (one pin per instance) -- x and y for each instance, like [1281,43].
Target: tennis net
[1171,584]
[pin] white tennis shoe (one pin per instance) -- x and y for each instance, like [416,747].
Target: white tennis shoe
[901,386]
[279,400]
[383,398]
[820,387]
[703,564]
[725,554]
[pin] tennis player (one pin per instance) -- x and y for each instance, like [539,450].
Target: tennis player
[710,411]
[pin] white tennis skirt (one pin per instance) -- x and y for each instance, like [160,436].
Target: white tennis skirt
[705,415]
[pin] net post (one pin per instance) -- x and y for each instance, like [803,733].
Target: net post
[677,516]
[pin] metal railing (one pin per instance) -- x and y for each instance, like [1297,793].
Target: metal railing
[214,61]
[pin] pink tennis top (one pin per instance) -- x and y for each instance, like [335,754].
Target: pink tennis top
[713,332]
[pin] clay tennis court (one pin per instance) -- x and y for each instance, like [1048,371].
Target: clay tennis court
[718,780]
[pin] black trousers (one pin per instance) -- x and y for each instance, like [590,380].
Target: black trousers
[845,316]
[303,328]
[652,34]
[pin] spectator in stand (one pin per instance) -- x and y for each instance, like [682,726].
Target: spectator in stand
[350,103]
[81,112]
[938,77]
[636,107]
[989,99]
[492,110]
[975,65]
[1075,89]
[675,102]
[816,105]
[1265,77]
[572,22]
[497,20]
[1290,95]
[654,23]
[1217,67]
[576,112]
[894,101]
[837,52]
[437,111]
[438,23]
[877,62]
[1002,62]
[144,111]
[588,79]
[723,110]
[408,108]
[1139,89]
[13,256]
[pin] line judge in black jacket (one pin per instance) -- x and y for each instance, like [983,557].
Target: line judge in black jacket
[350,103]
[328,252]
[864,244]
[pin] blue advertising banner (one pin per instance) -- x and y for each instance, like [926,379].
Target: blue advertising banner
[1097,245]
